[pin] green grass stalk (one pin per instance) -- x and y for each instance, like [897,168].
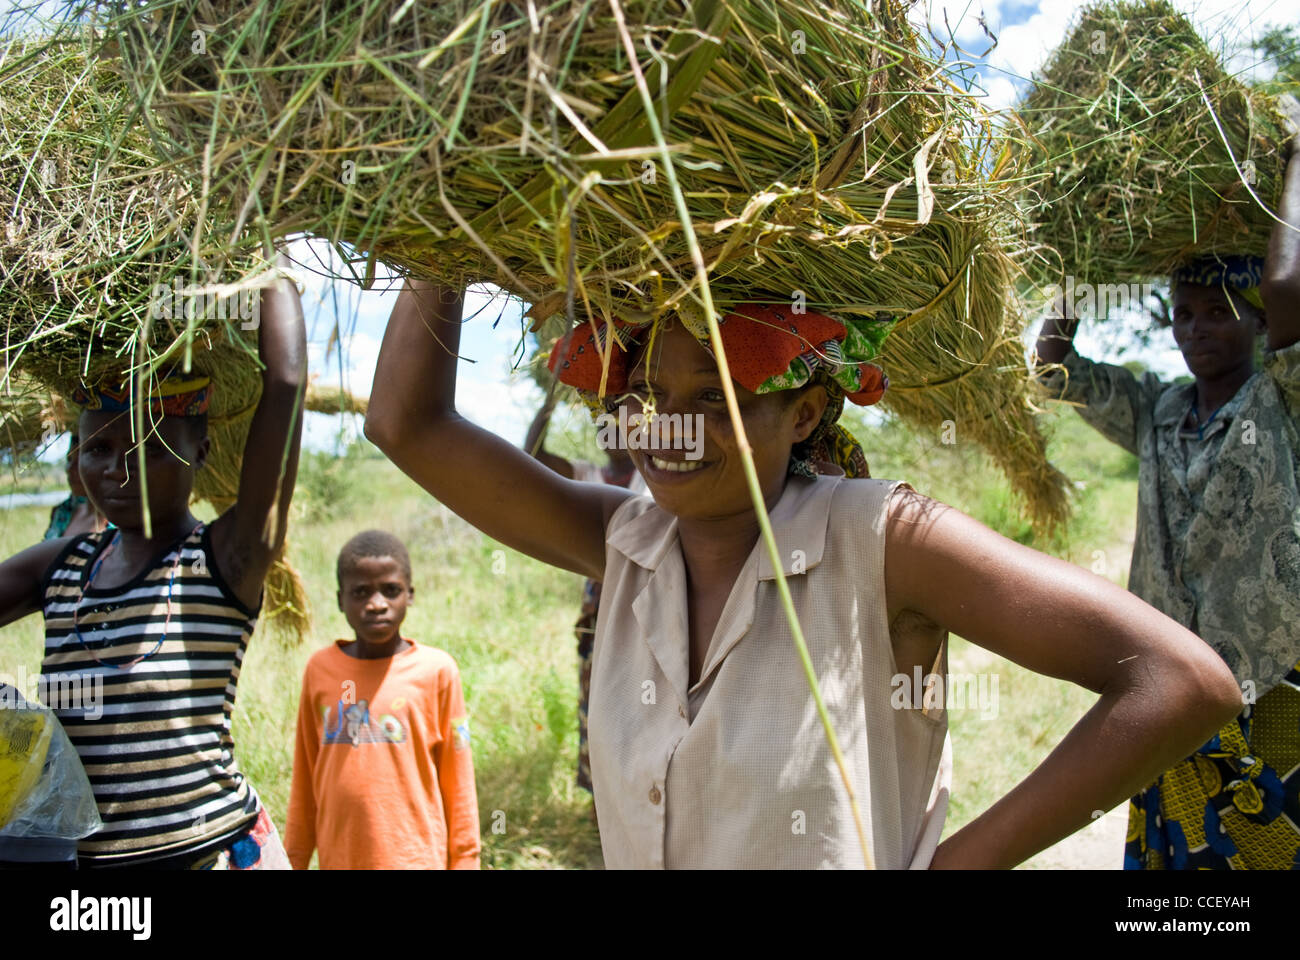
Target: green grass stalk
[746,452]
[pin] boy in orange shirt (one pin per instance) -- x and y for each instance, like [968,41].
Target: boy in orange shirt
[382,772]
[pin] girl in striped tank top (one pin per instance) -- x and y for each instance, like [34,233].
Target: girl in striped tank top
[160,623]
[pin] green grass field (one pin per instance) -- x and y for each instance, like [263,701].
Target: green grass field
[508,621]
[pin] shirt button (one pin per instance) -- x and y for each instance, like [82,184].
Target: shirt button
[655,795]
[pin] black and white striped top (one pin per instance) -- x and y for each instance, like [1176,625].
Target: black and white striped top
[160,757]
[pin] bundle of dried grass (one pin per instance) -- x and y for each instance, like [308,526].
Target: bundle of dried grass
[824,157]
[104,256]
[107,270]
[322,399]
[1152,153]
[30,416]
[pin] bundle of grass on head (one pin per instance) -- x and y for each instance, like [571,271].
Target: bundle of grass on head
[826,161]
[108,273]
[1152,153]
[31,416]
[105,256]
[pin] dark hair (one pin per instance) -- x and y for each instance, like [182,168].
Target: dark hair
[373,543]
[198,423]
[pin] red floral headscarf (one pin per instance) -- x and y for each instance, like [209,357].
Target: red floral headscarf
[769,348]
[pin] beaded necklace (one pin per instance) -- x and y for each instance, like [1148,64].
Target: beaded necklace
[171,582]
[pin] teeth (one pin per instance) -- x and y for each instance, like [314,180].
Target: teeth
[676,466]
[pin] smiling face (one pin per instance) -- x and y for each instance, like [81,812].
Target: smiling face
[683,379]
[373,596]
[1216,335]
[107,461]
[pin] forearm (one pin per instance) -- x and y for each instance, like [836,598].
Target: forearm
[415,378]
[1163,691]
[1280,287]
[21,586]
[300,828]
[266,480]
[299,847]
[462,838]
[1056,339]
[482,478]
[1119,747]
[537,429]
[282,340]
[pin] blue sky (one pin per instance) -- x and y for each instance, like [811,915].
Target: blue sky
[504,401]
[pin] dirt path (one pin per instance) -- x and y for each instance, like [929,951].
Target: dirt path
[1100,846]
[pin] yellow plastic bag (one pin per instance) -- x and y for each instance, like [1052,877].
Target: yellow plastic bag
[44,791]
[24,742]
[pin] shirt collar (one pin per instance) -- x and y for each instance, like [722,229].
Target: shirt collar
[799,522]
[1173,405]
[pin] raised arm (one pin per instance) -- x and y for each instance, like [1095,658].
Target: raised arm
[491,483]
[248,535]
[21,579]
[1163,691]
[1056,338]
[1280,287]
[535,441]
[1110,398]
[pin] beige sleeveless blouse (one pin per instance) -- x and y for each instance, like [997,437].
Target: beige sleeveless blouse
[736,772]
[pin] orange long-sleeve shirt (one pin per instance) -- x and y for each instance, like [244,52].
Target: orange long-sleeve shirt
[383,777]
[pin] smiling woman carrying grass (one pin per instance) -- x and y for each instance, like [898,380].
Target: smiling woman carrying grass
[705,744]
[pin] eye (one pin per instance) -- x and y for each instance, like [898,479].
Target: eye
[712,396]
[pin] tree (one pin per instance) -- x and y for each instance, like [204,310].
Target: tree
[1280,47]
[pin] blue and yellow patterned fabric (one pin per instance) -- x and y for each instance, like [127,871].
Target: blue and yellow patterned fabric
[1232,805]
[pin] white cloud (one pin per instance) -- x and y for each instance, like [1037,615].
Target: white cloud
[504,406]
[1002,93]
[1025,41]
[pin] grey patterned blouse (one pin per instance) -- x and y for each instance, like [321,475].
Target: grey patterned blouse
[1218,529]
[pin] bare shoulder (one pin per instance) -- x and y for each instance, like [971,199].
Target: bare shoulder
[35,561]
[912,515]
[22,578]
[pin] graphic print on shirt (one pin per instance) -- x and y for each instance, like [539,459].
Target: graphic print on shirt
[352,724]
[460,732]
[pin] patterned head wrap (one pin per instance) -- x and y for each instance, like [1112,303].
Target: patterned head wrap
[1241,274]
[768,349]
[171,397]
